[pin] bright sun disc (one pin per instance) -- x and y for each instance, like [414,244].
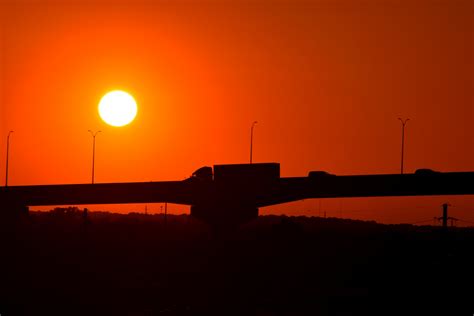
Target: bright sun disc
[117,108]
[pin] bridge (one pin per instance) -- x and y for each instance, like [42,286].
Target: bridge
[232,194]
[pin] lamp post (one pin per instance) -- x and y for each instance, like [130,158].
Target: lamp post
[251,139]
[93,151]
[404,122]
[8,150]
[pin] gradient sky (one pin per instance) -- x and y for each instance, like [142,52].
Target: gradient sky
[326,80]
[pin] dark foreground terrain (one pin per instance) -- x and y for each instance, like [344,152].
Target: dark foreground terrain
[55,264]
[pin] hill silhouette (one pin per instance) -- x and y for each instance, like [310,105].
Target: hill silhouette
[58,263]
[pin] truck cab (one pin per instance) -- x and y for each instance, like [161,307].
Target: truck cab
[203,173]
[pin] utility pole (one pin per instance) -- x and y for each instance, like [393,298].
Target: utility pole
[445,215]
[444,218]
[404,122]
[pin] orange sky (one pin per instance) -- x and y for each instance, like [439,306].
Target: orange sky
[326,80]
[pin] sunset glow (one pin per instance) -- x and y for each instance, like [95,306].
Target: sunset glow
[326,81]
[117,108]
[247,157]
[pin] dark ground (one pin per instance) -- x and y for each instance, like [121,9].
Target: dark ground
[53,264]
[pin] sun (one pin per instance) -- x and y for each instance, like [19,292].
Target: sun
[117,108]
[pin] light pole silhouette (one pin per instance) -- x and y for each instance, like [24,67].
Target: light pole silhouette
[8,151]
[404,122]
[93,151]
[251,139]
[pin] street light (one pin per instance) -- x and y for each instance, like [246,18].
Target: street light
[251,139]
[8,149]
[93,151]
[404,122]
